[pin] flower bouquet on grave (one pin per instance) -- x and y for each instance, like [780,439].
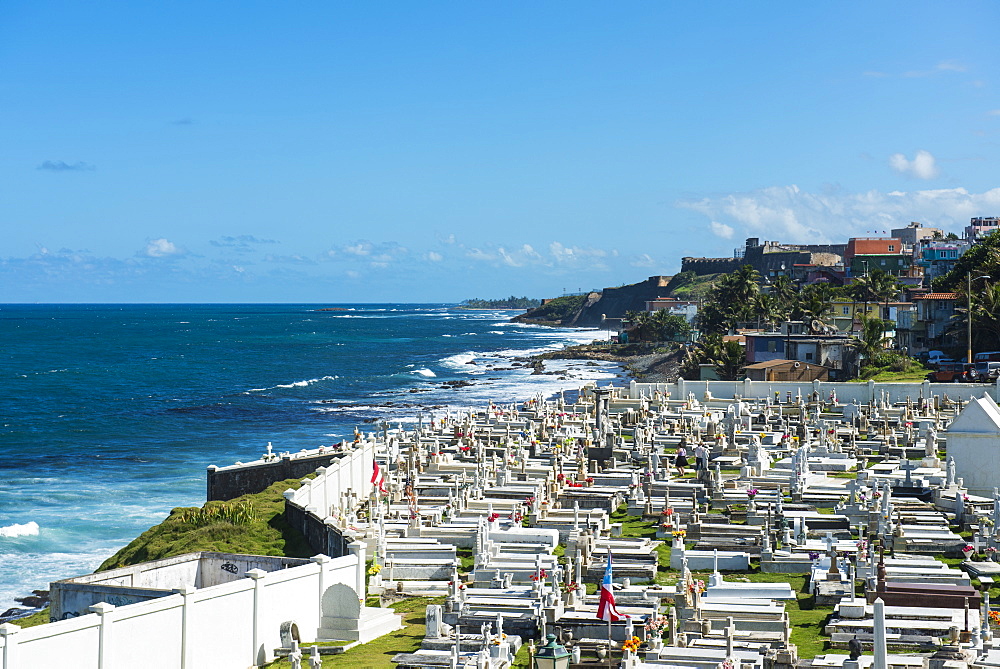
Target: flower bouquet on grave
[572,586]
[752,492]
[656,626]
[631,645]
[969,552]
[679,534]
[994,617]
[492,517]
[697,586]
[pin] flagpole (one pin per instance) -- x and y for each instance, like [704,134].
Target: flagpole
[610,647]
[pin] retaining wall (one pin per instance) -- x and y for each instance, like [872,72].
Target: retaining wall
[228,626]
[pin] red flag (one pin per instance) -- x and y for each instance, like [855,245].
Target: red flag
[606,606]
[377,478]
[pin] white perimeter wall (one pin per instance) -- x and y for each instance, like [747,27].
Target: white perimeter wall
[846,392]
[324,494]
[231,625]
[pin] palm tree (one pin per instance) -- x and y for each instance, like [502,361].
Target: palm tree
[784,290]
[870,341]
[884,287]
[638,322]
[769,309]
[665,326]
[728,357]
[985,318]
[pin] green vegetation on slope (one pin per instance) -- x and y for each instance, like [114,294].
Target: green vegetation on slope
[260,530]
[554,311]
[503,303]
[690,286]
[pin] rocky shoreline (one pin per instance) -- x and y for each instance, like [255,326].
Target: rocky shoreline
[33,603]
[642,362]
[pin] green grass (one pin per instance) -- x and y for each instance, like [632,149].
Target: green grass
[806,618]
[378,653]
[466,560]
[268,534]
[40,618]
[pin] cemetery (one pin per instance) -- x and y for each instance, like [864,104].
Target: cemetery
[730,525]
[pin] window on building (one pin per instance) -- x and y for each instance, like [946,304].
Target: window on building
[847,310]
[883,262]
[892,248]
[809,357]
[772,346]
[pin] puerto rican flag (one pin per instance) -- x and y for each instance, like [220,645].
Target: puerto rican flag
[606,607]
[378,478]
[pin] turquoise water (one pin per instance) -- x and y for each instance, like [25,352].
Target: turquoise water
[109,414]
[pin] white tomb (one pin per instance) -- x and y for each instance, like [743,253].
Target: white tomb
[973,440]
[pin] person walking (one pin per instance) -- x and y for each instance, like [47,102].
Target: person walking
[681,461]
[700,457]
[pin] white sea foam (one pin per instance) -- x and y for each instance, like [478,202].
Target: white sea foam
[424,372]
[29,529]
[295,384]
[459,360]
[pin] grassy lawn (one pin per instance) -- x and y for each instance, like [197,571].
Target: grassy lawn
[40,618]
[377,654]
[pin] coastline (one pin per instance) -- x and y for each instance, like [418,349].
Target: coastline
[292,403]
[652,363]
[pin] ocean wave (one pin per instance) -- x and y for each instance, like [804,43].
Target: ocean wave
[424,372]
[29,529]
[295,384]
[459,360]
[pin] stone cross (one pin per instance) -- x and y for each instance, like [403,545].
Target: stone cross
[852,488]
[908,467]
[315,661]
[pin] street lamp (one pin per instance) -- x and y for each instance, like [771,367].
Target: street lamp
[968,315]
[552,655]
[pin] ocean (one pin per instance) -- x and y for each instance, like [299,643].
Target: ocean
[109,414]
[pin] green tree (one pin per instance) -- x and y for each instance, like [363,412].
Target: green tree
[728,357]
[870,340]
[668,327]
[982,258]
[985,317]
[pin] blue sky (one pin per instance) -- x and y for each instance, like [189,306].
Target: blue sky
[336,151]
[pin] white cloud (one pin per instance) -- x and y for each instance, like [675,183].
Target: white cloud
[789,214]
[943,66]
[721,230]
[433,256]
[993,112]
[358,249]
[642,260]
[162,248]
[922,166]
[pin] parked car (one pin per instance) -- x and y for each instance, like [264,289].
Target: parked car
[953,372]
[934,357]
